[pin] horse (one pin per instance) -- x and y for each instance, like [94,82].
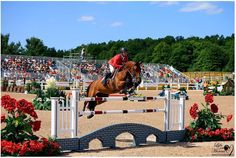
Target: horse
[128,77]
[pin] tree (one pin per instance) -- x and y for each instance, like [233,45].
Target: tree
[15,48]
[35,47]
[12,48]
[162,53]
[229,51]
[181,57]
[211,58]
[4,43]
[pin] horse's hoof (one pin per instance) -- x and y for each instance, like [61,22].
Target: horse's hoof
[123,92]
[90,116]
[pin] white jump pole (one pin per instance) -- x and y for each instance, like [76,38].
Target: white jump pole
[74,112]
[167,110]
[181,112]
[54,117]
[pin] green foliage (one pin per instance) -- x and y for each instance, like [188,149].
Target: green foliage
[34,88]
[161,53]
[34,46]
[207,119]
[42,103]
[54,92]
[42,100]
[211,58]
[18,129]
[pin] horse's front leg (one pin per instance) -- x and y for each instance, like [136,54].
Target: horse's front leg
[91,107]
[85,104]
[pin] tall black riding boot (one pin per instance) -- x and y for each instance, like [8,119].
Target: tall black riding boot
[104,81]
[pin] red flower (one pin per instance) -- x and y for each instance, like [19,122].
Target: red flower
[24,148]
[55,146]
[35,146]
[45,140]
[217,132]
[3,118]
[8,103]
[4,100]
[194,137]
[209,98]
[214,108]
[9,147]
[229,117]
[193,111]
[36,125]
[34,114]
[224,137]
[22,105]
[208,129]
[199,129]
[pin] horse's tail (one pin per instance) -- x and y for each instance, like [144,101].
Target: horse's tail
[87,91]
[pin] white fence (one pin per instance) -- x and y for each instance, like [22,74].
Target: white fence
[64,114]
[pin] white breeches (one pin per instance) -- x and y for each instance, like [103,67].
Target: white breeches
[111,68]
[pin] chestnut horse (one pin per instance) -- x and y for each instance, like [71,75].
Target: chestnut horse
[128,77]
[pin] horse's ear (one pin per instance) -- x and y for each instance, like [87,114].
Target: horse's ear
[139,62]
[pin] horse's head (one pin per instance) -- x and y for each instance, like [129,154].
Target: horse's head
[134,68]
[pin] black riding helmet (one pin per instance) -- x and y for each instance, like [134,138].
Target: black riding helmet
[123,49]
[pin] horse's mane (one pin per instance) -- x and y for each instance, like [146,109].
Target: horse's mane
[130,64]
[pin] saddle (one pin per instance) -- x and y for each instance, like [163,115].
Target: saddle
[109,76]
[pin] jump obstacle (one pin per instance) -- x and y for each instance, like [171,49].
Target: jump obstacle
[64,118]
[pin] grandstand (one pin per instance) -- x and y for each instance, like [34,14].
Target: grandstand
[72,67]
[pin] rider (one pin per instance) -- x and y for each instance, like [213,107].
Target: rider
[117,62]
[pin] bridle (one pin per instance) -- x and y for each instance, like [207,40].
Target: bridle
[133,76]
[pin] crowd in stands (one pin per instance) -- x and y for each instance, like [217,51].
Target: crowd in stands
[157,73]
[41,68]
[13,66]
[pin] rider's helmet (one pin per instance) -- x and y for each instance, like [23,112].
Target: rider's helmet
[123,50]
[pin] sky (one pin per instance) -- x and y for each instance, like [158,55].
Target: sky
[67,25]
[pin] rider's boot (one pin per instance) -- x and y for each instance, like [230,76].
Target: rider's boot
[104,81]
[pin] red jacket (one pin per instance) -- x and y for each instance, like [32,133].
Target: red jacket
[118,60]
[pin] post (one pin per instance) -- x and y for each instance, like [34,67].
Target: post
[83,85]
[181,111]
[167,109]
[41,84]
[54,117]
[74,112]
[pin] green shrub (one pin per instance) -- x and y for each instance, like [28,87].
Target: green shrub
[42,100]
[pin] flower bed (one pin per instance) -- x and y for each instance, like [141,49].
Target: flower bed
[17,138]
[206,125]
